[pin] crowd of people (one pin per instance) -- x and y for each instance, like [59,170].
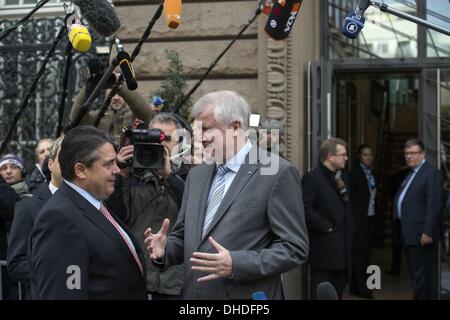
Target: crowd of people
[88,224]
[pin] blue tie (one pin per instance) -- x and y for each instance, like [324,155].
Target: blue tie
[218,189]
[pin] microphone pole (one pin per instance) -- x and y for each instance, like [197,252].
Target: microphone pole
[8,30]
[214,63]
[385,8]
[31,90]
[85,107]
[134,54]
[62,104]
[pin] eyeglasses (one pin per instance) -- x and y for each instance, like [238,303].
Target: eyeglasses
[412,153]
[340,154]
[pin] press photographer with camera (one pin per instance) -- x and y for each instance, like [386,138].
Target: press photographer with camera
[125,106]
[153,184]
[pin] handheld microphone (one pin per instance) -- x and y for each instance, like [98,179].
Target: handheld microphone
[354,21]
[100,15]
[125,66]
[282,18]
[79,35]
[172,13]
[326,291]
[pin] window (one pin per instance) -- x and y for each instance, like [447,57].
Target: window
[18,8]
[24,3]
[438,12]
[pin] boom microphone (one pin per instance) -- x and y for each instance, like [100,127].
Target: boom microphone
[100,15]
[172,13]
[354,21]
[125,66]
[281,18]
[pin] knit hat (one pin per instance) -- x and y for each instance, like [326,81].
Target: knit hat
[11,158]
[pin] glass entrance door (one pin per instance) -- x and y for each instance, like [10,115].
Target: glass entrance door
[443,161]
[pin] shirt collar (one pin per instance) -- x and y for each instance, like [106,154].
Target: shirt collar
[235,162]
[89,197]
[52,188]
[364,167]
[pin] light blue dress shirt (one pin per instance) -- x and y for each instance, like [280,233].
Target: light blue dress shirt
[405,189]
[234,165]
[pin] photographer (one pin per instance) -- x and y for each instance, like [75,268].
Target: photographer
[125,106]
[152,195]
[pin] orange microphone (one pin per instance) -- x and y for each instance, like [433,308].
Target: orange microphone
[172,13]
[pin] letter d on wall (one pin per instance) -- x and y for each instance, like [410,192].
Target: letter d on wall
[74,280]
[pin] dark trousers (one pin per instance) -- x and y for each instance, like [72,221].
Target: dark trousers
[362,250]
[422,264]
[337,278]
[396,247]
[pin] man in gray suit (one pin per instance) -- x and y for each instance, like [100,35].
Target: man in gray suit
[241,225]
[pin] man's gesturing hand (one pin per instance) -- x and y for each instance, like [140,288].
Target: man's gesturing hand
[218,265]
[156,243]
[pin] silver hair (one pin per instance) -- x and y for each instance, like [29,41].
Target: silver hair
[229,107]
[165,117]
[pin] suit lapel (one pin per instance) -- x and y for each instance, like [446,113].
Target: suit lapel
[244,174]
[416,178]
[97,218]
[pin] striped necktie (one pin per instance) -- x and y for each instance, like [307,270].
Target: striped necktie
[217,194]
[110,218]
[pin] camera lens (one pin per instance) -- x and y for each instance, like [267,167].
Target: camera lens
[145,157]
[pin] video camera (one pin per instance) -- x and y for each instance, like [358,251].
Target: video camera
[148,148]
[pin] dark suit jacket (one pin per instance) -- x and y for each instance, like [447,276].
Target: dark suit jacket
[324,209]
[359,195]
[24,215]
[69,231]
[422,206]
[8,199]
[260,221]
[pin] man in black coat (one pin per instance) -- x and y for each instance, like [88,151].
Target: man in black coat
[418,205]
[78,249]
[8,199]
[363,192]
[328,217]
[24,217]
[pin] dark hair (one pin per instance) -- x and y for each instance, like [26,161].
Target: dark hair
[80,145]
[415,142]
[360,149]
[329,146]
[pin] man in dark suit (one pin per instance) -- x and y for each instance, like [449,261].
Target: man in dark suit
[418,206]
[329,217]
[78,249]
[24,216]
[241,224]
[363,190]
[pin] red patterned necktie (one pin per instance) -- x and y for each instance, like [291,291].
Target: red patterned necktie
[110,218]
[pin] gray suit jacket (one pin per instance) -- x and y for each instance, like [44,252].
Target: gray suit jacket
[260,220]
